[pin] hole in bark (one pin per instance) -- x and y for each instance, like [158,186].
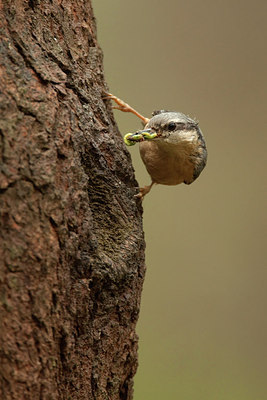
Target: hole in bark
[124,391]
[54,299]
[31,4]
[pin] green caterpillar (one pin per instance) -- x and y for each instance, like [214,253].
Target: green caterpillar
[131,139]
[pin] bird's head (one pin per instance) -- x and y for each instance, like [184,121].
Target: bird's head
[172,127]
[167,127]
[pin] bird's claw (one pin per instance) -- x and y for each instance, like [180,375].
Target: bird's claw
[124,107]
[143,191]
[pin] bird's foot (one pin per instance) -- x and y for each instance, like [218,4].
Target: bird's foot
[143,191]
[124,107]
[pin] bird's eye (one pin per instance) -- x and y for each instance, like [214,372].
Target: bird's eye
[171,126]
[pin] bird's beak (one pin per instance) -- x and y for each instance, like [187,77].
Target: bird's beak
[146,134]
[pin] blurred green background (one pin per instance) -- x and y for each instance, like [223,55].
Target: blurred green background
[203,322]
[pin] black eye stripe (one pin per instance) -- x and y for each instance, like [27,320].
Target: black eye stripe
[180,126]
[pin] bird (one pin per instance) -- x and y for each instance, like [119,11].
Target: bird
[171,145]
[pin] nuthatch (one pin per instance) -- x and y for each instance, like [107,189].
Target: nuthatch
[172,146]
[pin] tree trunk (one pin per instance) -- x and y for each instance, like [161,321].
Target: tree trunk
[71,240]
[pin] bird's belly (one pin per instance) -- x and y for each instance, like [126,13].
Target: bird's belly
[170,173]
[166,168]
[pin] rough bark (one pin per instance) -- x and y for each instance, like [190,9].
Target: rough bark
[71,240]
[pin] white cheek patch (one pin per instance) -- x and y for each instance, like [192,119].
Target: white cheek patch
[185,137]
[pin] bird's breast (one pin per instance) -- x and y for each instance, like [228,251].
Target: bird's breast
[168,164]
